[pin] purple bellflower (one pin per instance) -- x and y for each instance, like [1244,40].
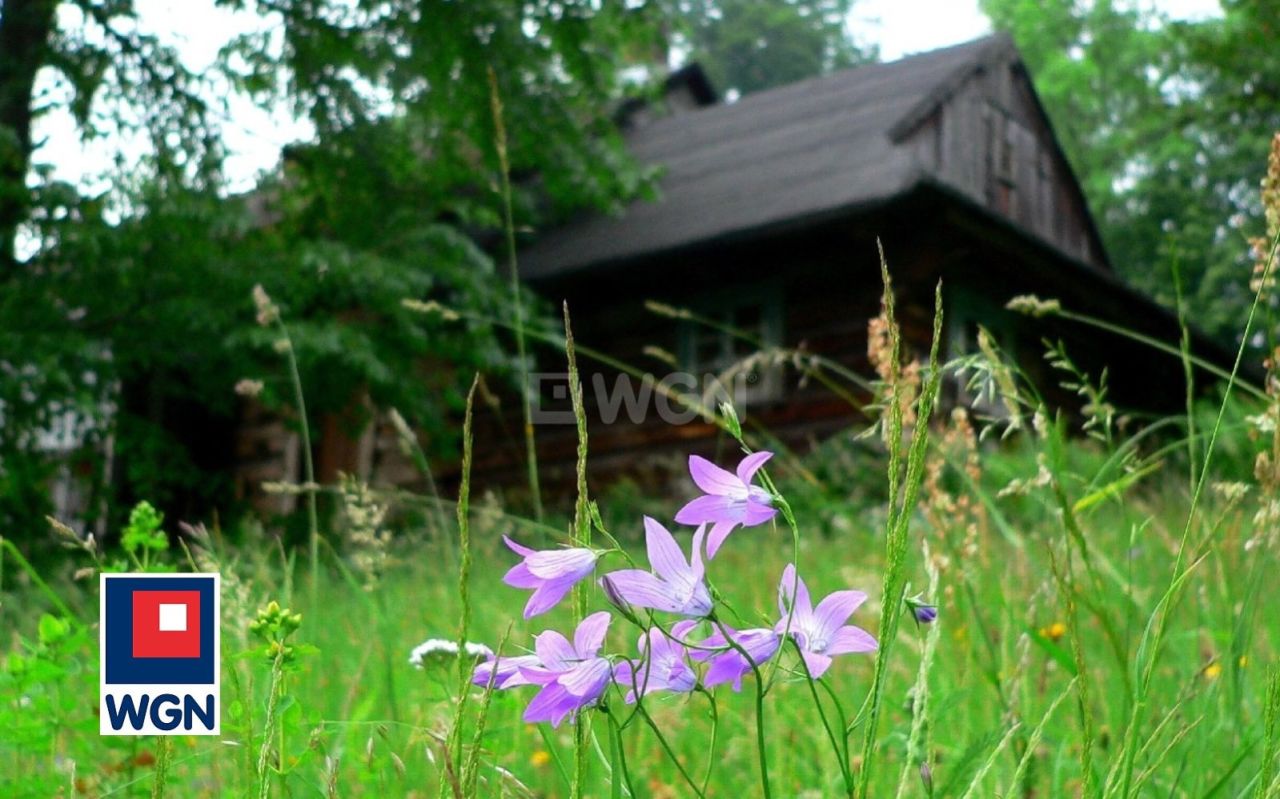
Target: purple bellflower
[662,665]
[550,573]
[821,632]
[676,584]
[504,671]
[925,614]
[572,675]
[728,499]
[730,665]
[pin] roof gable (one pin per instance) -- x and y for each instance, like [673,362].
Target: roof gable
[833,144]
[985,135]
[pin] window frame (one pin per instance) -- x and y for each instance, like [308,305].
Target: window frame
[724,307]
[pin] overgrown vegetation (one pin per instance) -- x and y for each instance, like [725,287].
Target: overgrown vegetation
[113,288]
[1166,122]
[1056,616]
[1055,609]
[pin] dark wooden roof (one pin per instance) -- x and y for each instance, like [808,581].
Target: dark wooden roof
[800,153]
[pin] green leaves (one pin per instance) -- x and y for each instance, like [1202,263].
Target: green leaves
[53,630]
[395,198]
[143,532]
[1166,124]
[747,46]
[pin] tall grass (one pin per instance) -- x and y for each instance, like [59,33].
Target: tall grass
[1063,569]
[269,315]
[517,306]
[338,707]
[580,536]
[903,491]
[454,745]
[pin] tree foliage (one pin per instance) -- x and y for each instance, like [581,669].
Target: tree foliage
[749,45]
[131,317]
[1167,124]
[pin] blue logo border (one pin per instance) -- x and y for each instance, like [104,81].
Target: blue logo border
[121,667]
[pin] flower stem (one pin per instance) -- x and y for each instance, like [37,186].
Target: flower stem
[711,747]
[615,735]
[313,522]
[163,757]
[761,751]
[666,747]
[760,744]
[842,758]
[273,702]
[795,560]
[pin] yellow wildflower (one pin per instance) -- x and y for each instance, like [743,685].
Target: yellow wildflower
[1054,631]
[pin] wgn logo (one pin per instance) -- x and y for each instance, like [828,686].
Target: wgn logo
[159,667]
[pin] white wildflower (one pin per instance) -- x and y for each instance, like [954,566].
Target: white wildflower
[439,648]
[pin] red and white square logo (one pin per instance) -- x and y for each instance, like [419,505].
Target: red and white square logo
[166,624]
[159,662]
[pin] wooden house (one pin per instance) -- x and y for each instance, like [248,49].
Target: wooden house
[768,218]
[765,230]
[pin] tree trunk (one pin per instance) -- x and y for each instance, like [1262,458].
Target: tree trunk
[25,30]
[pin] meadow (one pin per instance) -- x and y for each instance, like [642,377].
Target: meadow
[1079,608]
[1001,596]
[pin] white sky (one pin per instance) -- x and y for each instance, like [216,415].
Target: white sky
[901,27]
[254,137]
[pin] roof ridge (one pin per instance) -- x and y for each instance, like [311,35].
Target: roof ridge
[980,46]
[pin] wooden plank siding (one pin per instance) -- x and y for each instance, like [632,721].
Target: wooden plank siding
[992,141]
[830,281]
[832,287]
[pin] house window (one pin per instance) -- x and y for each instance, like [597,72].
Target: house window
[735,341]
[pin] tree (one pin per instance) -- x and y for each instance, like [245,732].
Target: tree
[120,79]
[749,45]
[55,355]
[133,312]
[1166,123]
